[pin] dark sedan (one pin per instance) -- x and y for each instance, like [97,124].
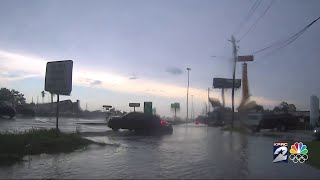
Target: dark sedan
[140,123]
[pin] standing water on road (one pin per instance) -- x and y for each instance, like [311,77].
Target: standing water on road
[190,152]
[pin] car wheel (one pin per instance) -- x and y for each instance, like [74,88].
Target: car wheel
[115,129]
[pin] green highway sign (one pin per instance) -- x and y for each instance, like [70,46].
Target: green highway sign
[148,107]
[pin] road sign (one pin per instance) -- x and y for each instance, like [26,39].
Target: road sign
[134,104]
[58,78]
[225,83]
[175,105]
[107,107]
[245,58]
[148,107]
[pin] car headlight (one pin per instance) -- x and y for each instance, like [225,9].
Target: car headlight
[315,131]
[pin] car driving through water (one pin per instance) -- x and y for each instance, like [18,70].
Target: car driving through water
[140,123]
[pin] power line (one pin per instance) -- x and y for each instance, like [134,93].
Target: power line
[257,20]
[252,10]
[289,40]
[254,7]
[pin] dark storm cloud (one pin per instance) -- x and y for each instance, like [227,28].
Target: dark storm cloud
[133,77]
[96,83]
[174,70]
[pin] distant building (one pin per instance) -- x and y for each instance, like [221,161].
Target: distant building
[64,106]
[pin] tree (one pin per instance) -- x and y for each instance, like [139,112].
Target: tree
[43,95]
[259,108]
[12,96]
[285,107]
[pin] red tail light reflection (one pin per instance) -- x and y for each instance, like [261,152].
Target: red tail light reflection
[163,123]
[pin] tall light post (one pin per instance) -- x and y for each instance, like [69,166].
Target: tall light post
[188,95]
[192,112]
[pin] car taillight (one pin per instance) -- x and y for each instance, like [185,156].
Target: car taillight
[163,123]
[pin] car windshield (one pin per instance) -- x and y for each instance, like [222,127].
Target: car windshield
[159,89]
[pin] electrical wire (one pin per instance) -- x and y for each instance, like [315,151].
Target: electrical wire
[252,10]
[245,34]
[289,40]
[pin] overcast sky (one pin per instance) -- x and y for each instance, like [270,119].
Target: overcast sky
[138,50]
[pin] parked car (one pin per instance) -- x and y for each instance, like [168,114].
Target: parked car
[6,109]
[140,123]
[23,110]
[316,133]
[281,122]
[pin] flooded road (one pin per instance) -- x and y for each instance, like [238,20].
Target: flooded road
[190,152]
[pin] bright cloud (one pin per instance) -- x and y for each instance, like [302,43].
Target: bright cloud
[16,67]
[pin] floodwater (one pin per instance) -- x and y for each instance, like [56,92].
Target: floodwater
[192,151]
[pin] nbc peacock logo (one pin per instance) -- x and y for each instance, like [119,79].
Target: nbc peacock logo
[299,152]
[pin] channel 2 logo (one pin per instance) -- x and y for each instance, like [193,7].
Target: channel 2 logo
[298,152]
[280,152]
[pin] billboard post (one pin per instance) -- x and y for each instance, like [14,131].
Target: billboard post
[58,80]
[134,105]
[175,106]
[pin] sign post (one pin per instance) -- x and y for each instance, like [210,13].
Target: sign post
[57,120]
[58,80]
[175,106]
[134,105]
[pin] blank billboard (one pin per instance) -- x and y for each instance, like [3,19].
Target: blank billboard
[225,83]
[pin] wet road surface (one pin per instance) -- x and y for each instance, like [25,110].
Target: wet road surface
[192,151]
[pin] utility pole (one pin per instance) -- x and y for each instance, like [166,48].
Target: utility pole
[208,102]
[188,95]
[233,41]
[37,103]
[223,100]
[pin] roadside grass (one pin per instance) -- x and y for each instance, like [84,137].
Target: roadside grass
[14,146]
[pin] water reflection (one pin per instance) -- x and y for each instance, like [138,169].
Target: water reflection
[190,152]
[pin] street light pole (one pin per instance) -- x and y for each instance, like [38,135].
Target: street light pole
[188,95]
[208,101]
[192,113]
